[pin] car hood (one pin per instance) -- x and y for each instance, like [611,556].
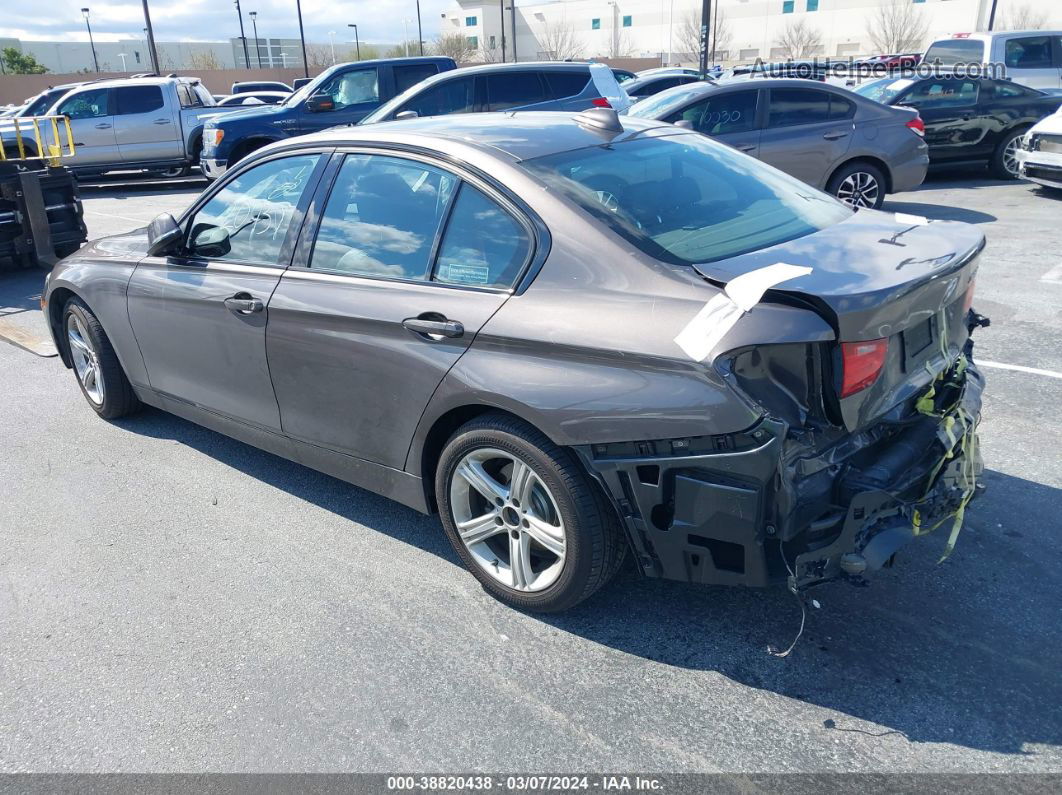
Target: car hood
[869,274]
[1051,124]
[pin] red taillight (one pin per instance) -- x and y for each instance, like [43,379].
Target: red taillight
[600,102]
[862,363]
[967,300]
[917,126]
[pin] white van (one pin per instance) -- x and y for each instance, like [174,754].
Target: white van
[1031,57]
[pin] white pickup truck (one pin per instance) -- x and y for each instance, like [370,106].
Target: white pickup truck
[1030,57]
[145,123]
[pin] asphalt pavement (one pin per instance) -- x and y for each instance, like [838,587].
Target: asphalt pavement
[173,600]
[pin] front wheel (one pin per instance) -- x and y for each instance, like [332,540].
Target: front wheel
[859,185]
[524,517]
[96,365]
[1005,159]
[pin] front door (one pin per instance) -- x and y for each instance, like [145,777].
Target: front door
[728,116]
[92,124]
[144,127]
[368,320]
[200,316]
[807,134]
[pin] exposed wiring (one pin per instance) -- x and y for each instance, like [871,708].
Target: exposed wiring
[803,610]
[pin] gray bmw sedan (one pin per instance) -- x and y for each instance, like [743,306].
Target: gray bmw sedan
[573,336]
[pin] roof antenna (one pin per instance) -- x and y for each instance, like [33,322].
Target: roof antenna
[604,119]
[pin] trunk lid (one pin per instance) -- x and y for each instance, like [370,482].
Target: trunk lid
[878,275]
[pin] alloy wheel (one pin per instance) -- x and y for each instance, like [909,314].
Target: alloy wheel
[86,359]
[508,519]
[1010,155]
[859,189]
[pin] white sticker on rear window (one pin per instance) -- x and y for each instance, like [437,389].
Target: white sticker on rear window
[465,274]
[718,316]
[913,220]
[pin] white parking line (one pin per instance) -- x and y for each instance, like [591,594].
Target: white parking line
[1053,275]
[1019,368]
[116,215]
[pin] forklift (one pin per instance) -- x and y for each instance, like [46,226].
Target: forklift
[41,218]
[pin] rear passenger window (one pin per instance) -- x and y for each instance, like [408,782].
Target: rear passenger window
[408,76]
[841,108]
[449,96]
[566,84]
[1031,52]
[382,218]
[483,245]
[139,99]
[792,106]
[514,89]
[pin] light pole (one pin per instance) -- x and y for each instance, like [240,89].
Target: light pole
[405,34]
[332,44]
[243,38]
[501,20]
[357,43]
[420,33]
[302,39]
[122,56]
[257,47]
[92,45]
[706,19]
[150,39]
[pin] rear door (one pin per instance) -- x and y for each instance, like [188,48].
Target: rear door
[805,135]
[200,315]
[728,116]
[1031,60]
[958,125]
[91,117]
[145,128]
[409,260]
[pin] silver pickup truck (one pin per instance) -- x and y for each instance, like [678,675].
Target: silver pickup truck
[149,123]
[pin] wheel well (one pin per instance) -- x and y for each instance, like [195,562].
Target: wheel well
[245,147]
[56,304]
[879,164]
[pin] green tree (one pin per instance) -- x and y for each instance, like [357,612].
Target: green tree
[17,63]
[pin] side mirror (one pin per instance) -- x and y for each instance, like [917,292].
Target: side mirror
[211,241]
[163,235]
[406,114]
[319,103]
[685,124]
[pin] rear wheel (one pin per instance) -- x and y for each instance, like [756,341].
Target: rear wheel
[1005,159]
[524,517]
[98,371]
[860,185]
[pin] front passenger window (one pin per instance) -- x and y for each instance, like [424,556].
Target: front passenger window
[248,219]
[87,105]
[729,113]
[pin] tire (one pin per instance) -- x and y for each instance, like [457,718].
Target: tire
[107,389]
[859,184]
[562,506]
[1004,164]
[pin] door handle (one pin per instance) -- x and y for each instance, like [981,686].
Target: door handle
[162,121]
[244,304]
[103,126]
[833,136]
[434,325]
[748,148]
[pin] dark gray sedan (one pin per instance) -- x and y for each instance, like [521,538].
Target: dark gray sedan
[830,138]
[573,336]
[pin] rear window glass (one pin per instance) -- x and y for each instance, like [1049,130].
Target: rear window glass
[1031,52]
[952,51]
[409,76]
[566,84]
[686,199]
[665,102]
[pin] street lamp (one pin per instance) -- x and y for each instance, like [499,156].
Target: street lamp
[302,39]
[332,43]
[243,38]
[257,47]
[357,44]
[405,34]
[420,33]
[122,56]
[92,45]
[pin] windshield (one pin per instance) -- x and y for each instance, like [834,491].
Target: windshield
[686,199]
[40,103]
[662,104]
[955,51]
[884,90]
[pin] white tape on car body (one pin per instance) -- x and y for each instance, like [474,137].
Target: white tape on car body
[912,220]
[708,327]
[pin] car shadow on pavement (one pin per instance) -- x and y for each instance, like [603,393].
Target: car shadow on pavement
[965,652]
